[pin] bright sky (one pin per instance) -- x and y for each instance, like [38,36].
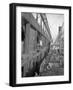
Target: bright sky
[54,21]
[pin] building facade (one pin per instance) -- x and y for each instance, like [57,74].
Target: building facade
[36,39]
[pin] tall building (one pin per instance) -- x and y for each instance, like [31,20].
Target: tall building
[59,43]
[35,30]
[36,38]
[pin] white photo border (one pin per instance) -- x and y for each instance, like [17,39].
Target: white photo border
[19,79]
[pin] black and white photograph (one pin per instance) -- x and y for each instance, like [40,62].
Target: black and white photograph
[40,44]
[42,39]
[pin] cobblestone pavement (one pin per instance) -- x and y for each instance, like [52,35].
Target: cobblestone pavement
[53,64]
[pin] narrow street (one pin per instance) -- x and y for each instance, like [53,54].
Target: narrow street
[53,64]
